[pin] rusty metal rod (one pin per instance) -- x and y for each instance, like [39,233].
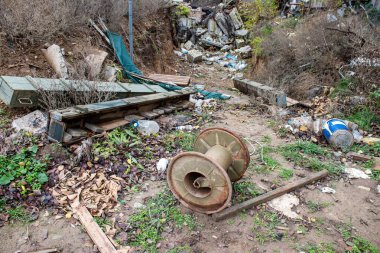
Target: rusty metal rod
[269,196]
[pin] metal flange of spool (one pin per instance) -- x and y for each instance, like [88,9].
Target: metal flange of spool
[201,180]
[199,183]
[232,142]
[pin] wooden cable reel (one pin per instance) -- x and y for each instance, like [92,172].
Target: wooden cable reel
[201,180]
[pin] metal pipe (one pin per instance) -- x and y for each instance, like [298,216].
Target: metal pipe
[131,28]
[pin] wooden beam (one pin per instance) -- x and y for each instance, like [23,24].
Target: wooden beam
[45,251]
[94,231]
[178,80]
[269,196]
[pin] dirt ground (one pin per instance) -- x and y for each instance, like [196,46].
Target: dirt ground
[352,204]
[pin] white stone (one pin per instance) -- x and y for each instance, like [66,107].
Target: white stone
[188,45]
[328,190]
[194,56]
[356,173]
[162,165]
[35,122]
[284,204]
[364,188]
[138,205]
[378,189]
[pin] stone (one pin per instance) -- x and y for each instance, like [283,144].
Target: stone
[243,33]
[35,122]
[188,45]
[328,190]
[364,188]
[162,165]
[236,19]
[245,52]
[355,173]
[284,204]
[239,43]
[378,189]
[138,205]
[95,61]
[194,56]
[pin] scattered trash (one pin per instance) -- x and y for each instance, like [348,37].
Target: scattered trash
[337,133]
[185,128]
[355,173]
[162,165]
[35,122]
[370,140]
[284,204]
[194,56]
[378,189]
[138,205]
[54,55]
[146,127]
[328,190]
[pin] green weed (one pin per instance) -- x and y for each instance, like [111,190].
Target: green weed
[321,248]
[256,10]
[290,23]
[364,117]
[244,190]
[180,249]
[256,44]
[147,224]
[102,222]
[28,172]
[342,88]
[264,224]
[19,214]
[266,30]
[182,10]
[286,174]
[315,207]
[357,243]
[179,139]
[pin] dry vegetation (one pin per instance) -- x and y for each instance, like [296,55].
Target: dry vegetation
[50,17]
[299,55]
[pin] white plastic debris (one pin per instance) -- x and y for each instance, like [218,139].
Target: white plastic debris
[364,188]
[162,165]
[147,127]
[378,189]
[284,204]
[328,190]
[138,205]
[355,173]
[35,122]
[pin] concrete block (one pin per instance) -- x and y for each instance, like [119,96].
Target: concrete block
[194,56]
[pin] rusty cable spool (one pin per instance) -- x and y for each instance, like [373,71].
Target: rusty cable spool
[201,180]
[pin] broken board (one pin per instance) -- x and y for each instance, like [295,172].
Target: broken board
[178,80]
[25,91]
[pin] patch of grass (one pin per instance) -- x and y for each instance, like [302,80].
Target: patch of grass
[371,150]
[19,214]
[180,249]
[23,168]
[102,222]
[286,174]
[4,120]
[321,248]
[364,117]
[264,224]
[290,23]
[357,243]
[269,164]
[244,190]
[256,44]
[342,88]
[179,139]
[266,30]
[305,147]
[147,224]
[315,207]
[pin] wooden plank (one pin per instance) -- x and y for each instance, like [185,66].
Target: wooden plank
[93,127]
[110,125]
[178,80]
[81,111]
[45,251]
[94,231]
[269,196]
[291,101]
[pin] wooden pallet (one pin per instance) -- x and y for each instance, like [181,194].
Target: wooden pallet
[106,116]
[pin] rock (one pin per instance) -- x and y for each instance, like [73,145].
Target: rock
[188,45]
[378,189]
[110,73]
[54,55]
[226,48]
[162,165]
[242,33]
[239,43]
[138,205]
[245,52]
[364,188]
[284,204]
[194,56]
[95,61]
[55,151]
[355,173]
[358,100]
[35,122]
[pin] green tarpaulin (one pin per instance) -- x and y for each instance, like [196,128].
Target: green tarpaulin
[134,74]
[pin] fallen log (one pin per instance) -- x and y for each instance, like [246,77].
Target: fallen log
[268,196]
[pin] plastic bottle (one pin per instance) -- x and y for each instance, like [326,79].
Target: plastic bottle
[147,127]
[185,128]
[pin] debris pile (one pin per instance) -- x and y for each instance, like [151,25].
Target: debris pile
[218,27]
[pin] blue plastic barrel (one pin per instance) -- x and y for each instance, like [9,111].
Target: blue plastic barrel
[338,133]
